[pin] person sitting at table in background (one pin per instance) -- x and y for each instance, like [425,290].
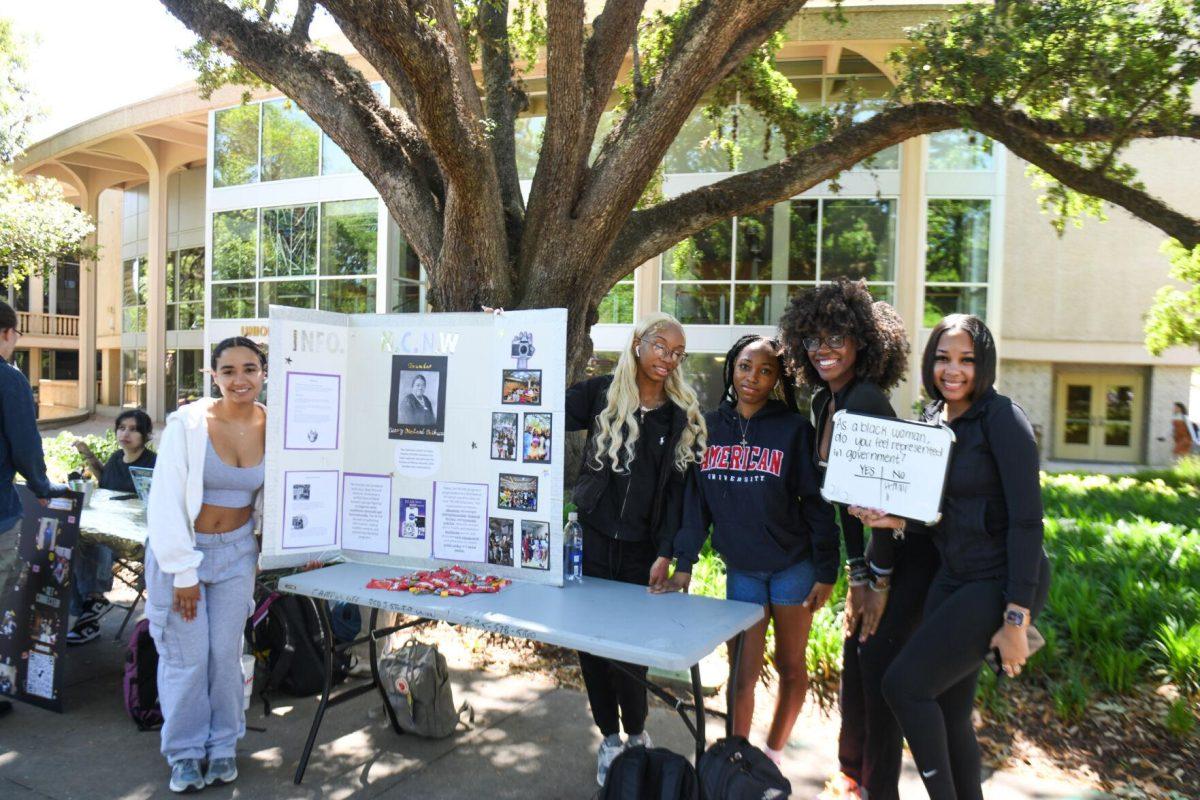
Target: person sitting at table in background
[92,566]
[20,452]
[758,489]
[201,559]
[851,351]
[644,430]
[994,576]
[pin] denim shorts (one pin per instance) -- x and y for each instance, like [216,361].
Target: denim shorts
[787,587]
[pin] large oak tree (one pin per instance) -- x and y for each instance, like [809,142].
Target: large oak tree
[1066,85]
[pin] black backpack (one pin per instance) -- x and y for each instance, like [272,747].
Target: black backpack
[654,773]
[734,769]
[285,634]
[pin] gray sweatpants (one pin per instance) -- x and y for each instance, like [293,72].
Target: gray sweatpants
[199,662]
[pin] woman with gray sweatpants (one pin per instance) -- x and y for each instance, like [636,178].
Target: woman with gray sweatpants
[201,560]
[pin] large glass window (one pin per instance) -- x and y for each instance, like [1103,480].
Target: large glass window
[133,378]
[235,244]
[66,279]
[746,269]
[406,289]
[133,294]
[185,289]
[184,377]
[289,241]
[617,306]
[956,260]
[235,146]
[290,142]
[960,151]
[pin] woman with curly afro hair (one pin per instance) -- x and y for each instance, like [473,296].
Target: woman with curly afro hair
[851,351]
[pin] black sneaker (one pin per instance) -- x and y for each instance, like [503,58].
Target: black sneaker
[84,632]
[93,609]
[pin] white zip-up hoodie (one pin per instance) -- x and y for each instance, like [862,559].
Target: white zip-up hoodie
[177,492]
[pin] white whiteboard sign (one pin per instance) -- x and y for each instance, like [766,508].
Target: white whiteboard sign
[889,464]
[417,440]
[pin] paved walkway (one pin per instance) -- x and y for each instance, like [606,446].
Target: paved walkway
[531,740]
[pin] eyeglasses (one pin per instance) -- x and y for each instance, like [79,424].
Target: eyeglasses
[662,351]
[812,343]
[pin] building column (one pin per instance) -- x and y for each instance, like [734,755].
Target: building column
[910,266]
[37,286]
[110,371]
[646,282]
[35,365]
[88,314]
[156,296]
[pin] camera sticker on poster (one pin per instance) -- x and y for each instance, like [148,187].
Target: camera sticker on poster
[500,541]
[535,544]
[418,403]
[535,441]
[310,505]
[412,518]
[504,437]
[518,492]
[521,387]
[523,349]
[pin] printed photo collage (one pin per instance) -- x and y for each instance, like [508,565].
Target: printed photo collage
[520,437]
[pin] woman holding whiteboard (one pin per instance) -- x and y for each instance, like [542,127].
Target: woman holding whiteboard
[644,430]
[759,491]
[994,575]
[201,558]
[852,351]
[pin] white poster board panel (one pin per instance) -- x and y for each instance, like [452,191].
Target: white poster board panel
[889,464]
[462,413]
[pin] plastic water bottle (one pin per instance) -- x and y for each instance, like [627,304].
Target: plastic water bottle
[573,549]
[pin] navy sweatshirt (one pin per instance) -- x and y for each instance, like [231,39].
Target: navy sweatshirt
[762,500]
[20,445]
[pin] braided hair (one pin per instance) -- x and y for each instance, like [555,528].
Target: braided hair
[785,384]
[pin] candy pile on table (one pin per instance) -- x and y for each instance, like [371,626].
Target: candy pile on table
[455,581]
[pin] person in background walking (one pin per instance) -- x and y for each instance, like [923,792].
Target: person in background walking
[20,453]
[1186,434]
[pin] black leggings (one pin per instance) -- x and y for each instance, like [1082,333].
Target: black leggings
[610,689]
[870,745]
[931,684]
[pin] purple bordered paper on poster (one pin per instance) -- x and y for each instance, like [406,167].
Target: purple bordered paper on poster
[312,411]
[366,512]
[310,509]
[460,521]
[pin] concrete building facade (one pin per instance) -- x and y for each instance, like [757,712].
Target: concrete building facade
[210,210]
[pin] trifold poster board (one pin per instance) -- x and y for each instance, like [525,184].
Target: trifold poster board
[889,464]
[417,440]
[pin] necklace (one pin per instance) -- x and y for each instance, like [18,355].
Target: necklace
[745,429]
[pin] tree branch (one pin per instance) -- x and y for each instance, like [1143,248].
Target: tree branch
[614,30]
[303,21]
[503,101]
[338,99]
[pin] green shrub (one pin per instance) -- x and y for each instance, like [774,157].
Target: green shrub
[1116,667]
[1180,720]
[1180,645]
[988,695]
[62,457]
[1070,696]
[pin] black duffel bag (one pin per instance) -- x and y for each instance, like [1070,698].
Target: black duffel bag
[734,769]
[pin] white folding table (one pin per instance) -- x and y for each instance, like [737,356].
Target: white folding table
[121,525]
[614,620]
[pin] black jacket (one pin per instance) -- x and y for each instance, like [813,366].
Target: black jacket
[584,402]
[991,523]
[859,397]
[763,501]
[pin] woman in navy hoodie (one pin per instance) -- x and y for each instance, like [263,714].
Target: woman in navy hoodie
[758,489]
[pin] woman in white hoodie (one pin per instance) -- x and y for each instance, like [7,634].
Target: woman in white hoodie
[201,559]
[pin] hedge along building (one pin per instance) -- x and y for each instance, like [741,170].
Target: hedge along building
[209,211]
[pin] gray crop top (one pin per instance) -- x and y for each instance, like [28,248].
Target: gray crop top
[230,487]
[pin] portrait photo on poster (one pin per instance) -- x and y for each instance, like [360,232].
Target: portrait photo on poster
[504,436]
[417,410]
[521,387]
[535,544]
[500,542]
[47,533]
[535,440]
[412,518]
[517,492]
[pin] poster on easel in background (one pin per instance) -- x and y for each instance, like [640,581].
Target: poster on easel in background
[34,602]
[417,440]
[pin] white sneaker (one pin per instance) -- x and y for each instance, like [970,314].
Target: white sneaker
[605,757]
[640,740]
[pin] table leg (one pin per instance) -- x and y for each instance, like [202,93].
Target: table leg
[735,663]
[698,695]
[327,642]
[373,648]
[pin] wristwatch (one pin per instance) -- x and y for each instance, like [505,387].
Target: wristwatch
[1015,617]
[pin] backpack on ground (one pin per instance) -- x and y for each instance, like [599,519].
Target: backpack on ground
[654,773]
[285,635]
[141,678]
[417,683]
[734,769]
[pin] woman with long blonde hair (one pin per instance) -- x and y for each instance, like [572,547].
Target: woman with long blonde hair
[644,431]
